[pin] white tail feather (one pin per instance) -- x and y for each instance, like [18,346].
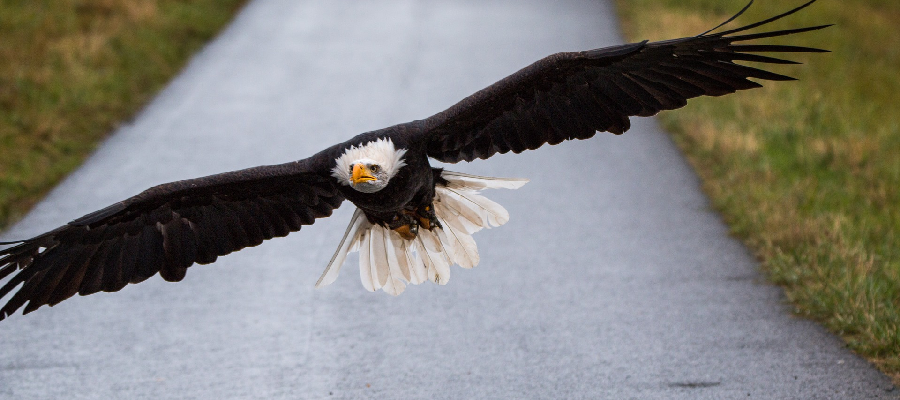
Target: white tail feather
[417,267]
[460,247]
[437,263]
[369,281]
[397,258]
[388,262]
[457,240]
[459,180]
[447,213]
[389,272]
[350,241]
[491,213]
[380,268]
[454,205]
[412,269]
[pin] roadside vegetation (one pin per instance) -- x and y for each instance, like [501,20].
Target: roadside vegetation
[807,173]
[71,70]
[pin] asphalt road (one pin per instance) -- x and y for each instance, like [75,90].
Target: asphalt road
[613,278]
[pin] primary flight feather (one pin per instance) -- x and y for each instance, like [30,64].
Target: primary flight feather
[412,221]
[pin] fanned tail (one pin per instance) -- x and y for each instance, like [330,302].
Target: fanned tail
[389,262]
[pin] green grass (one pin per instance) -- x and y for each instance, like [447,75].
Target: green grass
[807,173]
[71,70]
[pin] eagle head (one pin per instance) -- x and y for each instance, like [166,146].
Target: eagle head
[368,167]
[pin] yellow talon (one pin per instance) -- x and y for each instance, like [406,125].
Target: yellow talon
[405,232]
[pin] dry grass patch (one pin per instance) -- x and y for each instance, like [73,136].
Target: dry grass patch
[70,70]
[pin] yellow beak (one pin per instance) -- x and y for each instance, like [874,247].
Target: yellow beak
[361,174]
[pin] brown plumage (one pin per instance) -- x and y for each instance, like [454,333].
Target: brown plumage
[565,96]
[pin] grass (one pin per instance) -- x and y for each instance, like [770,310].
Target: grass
[807,173]
[71,70]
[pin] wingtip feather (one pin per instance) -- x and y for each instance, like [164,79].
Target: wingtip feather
[766,21]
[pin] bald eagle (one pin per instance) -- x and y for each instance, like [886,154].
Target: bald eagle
[412,221]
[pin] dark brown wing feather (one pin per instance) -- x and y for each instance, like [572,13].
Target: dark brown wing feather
[573,95]
[165,229]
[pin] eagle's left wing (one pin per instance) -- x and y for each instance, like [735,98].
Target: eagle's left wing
[573,95]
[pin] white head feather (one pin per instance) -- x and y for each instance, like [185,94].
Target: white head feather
[380,152]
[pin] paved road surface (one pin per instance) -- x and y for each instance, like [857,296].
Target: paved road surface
[612,280]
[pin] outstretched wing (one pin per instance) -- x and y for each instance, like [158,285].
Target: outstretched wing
[573,95]
[165,229]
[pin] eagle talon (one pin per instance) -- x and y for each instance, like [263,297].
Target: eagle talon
[427,218]
[405,225]
[407,222]
[408,232]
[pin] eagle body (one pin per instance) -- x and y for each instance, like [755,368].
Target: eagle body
[412,221]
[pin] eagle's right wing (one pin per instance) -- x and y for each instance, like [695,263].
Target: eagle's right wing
[165,229]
